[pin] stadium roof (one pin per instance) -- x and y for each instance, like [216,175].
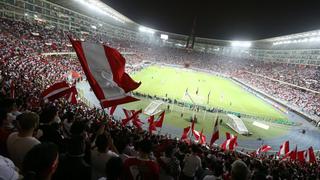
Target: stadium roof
[100,10]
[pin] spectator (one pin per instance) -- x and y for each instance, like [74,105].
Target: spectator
[113,169]
[192,163]
[141,167]
[239,171]
[41,162]
[49,125]
[101,155]
[8,171]
[19,143]
[72,165]
[170,165]
[4,133]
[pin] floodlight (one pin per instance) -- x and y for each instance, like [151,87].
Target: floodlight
[93,27]
[146,30]
[35,15]
[26,14]
[102,8]
[164,36]
[241,43]
[100,24]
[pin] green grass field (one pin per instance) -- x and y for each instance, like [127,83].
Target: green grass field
[224,93]
[160,81]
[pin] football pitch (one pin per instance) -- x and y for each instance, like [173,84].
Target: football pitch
[202,89]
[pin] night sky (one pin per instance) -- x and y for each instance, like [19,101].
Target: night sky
[230,20]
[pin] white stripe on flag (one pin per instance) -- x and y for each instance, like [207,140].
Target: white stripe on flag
[101,70]
[228,144]
[55,92]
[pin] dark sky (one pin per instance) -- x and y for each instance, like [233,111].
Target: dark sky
[232,20]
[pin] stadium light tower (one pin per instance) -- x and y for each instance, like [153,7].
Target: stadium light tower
[245,44]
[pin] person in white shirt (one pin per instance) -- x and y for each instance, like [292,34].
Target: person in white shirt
[8,170]
[192,163]
[19,143]
[101,155]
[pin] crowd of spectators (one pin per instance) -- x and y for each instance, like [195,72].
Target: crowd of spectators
[57,140]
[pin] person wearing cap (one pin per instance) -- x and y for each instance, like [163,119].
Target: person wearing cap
[19,143]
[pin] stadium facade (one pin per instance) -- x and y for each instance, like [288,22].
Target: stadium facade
[93,16]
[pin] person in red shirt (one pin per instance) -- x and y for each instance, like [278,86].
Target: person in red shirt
[141,167]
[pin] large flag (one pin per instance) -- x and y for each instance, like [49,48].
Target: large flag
[105,70]
[185,133]
[284,148]
[263,148]
[159,122]
[229,144]
[215,134]
[309,155]
[56,91]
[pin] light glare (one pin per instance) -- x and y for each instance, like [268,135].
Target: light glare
[146,30]
[164,36]
[241,43]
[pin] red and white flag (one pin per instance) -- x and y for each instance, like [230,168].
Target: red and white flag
[132,116]
[105,70]
[229,144]
[263,148]
[71,95]
[112,109]
[159,122]
[215,134]
[195,133]
[152,126]
[291,154]
[300,156]
[185,133]
[230,136]
[56,91]
[202,138]
[284,148]
[309,155]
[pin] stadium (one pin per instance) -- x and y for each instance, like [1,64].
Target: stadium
[70,89]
